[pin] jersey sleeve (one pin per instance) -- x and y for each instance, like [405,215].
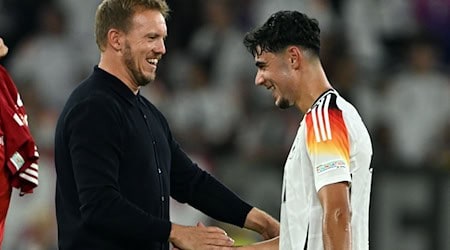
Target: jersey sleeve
[327,141]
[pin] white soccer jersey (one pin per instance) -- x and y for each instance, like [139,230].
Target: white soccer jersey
[332,145]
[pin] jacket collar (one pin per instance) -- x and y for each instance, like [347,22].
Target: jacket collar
[116,84]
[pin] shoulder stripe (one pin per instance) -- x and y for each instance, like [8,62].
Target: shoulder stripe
[321,119]
[314,122]
[320,112]
[327,117]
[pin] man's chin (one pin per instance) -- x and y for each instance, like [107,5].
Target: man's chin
[145,82]
[283,104]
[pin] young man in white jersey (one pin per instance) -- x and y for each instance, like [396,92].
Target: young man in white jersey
[327,175]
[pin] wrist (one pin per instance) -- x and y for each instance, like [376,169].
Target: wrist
[262,223]
[174,232]
[257,220]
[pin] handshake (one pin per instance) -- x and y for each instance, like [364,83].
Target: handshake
[203,237]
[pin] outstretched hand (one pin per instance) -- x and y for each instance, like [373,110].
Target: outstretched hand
[199,238]
[3,48]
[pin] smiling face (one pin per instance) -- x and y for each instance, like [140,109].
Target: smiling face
[143,46]
[275,74]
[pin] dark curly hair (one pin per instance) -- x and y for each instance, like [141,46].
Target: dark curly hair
[282,29]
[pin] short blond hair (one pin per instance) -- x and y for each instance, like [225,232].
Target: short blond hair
[118,13]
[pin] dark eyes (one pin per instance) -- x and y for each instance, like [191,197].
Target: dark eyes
[154,37]
[261,65]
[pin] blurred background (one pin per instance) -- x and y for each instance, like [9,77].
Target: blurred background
[390,58]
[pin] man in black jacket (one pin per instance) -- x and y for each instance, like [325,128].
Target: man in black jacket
[116,160]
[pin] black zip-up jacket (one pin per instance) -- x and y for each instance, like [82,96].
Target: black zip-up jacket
[117,164]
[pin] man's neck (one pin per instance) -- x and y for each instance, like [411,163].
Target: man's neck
[315,83]
[110,64]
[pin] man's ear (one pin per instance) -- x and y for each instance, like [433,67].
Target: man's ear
[115,39]
[295,56]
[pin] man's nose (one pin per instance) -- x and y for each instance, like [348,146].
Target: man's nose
[160,47]
[259,79]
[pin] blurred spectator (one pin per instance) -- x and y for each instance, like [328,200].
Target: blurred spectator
[362,28]
[79,16]
[396,26]
[47,61]
[322,10]
[18,20]
[204,112]
[217,44]
[190,14]
[434,18]
[417,103]
[439,156]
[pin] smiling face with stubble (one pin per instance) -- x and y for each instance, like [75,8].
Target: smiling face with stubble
[275,74]
[144,46]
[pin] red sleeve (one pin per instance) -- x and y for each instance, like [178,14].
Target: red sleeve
[20,151]
[2,147]
[5,187]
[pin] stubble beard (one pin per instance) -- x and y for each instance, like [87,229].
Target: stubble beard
[284,104]
[138,76]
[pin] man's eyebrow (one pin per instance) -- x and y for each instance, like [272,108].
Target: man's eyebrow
[156,34]
[260,64]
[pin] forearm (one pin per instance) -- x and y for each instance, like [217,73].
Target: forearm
[199,189]
[272,244]
[262,223]
[337,231]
